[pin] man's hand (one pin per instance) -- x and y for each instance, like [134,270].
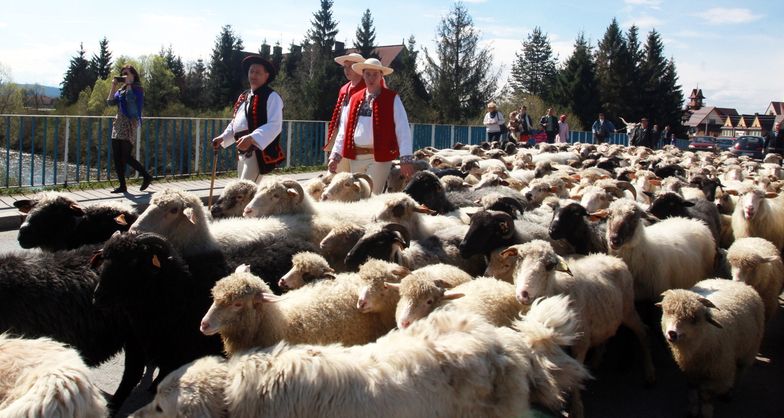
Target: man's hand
[332,166]
[407,170]
[216,142]
[245,143]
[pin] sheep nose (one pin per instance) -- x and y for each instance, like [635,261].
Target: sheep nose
[204,326]
[529,196]
[405,323]
[247,212]
[361,304]
[324,197]
[672,335]
[282,284]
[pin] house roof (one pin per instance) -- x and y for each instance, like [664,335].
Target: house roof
[696,94]
[699,116]
[778,107]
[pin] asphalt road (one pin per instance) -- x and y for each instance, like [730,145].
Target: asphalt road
[618,388]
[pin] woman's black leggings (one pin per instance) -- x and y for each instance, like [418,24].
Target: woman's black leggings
[121,150]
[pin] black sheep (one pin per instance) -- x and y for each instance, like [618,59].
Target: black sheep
[668,205]
[50,295]
[426,188]
[490,230]
[571,223]
[57,222]
[707,185]
[162,296]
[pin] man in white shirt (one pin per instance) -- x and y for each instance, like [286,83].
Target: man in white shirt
[376,129]
[355,84]
[257,123]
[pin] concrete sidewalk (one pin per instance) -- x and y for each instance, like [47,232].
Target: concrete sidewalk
[10,217]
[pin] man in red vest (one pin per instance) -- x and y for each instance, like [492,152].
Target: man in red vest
[376,129]
[355,84]
[257,122]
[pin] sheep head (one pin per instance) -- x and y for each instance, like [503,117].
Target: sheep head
[51,218]
[236,300]
[236,195]
[488,230]
[274,198]
[536,266]
[418,297]
[376,294]
[384,244]
[306,267]
[684,316]
[624,219]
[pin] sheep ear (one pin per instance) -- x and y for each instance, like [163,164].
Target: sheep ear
[97,259]
[242,268]
[440,283]
[25,205]
[401,272]
[771,194]
[709,319]
[76,209]
[391,285]
[731,191]
[451,295]
[424,209]
[504,183]
[120,220]
[650,218]
[707,303]
[562,266]
[189,213]
[270,298]
[770,258]
[600,214]
[658,305]
[329,275]
[357,186]
[292,193]
[509,252]
[155,261]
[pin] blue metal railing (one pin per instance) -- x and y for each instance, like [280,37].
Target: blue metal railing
[46,150]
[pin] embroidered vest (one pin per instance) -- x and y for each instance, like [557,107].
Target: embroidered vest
[384,138]
[256,115]
[345,92]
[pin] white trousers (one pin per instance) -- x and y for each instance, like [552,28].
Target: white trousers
[344,166]
[248,168]
[377,171]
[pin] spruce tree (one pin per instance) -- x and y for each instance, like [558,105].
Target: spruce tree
[576,87]
[101,64]
[671,100]
[160,87]
[226,78]
[324,28]
[194,92]
[636,106]
[365,43]
[407,82]
[177,68]
[613,67]
[652,71]
[460,78]
[533,70]
[77,78]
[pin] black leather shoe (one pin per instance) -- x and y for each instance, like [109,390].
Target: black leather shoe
[119,190]
[146,183]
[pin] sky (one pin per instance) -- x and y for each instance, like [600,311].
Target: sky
[728,49]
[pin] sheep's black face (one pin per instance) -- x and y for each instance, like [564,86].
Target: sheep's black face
[488,230]
[426,189]
[378,245]
[669,205]
[567,220]
[49,225]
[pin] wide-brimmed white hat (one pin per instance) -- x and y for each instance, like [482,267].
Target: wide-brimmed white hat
[352,57]
[372,64]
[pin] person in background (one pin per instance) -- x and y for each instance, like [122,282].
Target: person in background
[493,122]
[549,124]
[128,95]
[563,131]
[774,142]
[665,136]
[257,122]
[376,129]
[602,129]
[656,135]
[643,135]
[355,84]
[525,124]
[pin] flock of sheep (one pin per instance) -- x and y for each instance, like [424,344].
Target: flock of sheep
[474,289]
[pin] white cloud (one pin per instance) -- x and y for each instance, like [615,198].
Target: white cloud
[719,15]
[643,22]
[3,25]
[655,4]
[474,1]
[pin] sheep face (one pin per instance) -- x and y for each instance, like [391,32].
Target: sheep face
[236,300]
[49,221]
[501,266]
[171,213]
[623,223]
[376,294]
[536,267]
[668,205]
[274,198]
[744,268]
[488,230]
[685,315]
[750,202]
[595,198]
[306,267]
[233,199]
[537,191]
[347,187]
[396,181]
[417,299]
[382,245]
[426,188]
[566,220]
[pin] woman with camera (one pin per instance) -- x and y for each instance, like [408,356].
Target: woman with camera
[128,95]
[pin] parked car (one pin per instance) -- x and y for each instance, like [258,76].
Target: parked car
[751,146]
[725,142]
[702,143]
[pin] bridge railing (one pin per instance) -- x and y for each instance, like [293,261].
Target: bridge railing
[40,150]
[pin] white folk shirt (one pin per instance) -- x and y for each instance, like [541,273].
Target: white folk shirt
[363,134]
[264,134]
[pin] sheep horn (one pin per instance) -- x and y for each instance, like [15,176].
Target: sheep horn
[366,177]
[401,229]
[296,186]
[625,185]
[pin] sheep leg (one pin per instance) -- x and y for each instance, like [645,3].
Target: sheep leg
[706,404]
[132,374]
[632,321]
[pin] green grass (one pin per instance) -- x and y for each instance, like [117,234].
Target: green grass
[133,181]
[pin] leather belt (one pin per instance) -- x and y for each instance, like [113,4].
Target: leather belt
[364,151]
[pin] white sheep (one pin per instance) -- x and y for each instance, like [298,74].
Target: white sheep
[672,253]
[43,379]
[758,214]
[248,315]
[306,267]
[757,262]
[348,187]
[315,186]
[232,201]
[490,298]
[714,331]
[600,286]
[196,389]
[375,294]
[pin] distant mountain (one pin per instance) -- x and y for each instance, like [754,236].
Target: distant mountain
[48,90]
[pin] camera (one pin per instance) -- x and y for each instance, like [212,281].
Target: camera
[119,78]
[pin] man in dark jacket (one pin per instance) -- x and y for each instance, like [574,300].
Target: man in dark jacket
[643,136]
[549,123]
[774,142]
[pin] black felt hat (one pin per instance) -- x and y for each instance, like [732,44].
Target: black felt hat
[257,59]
